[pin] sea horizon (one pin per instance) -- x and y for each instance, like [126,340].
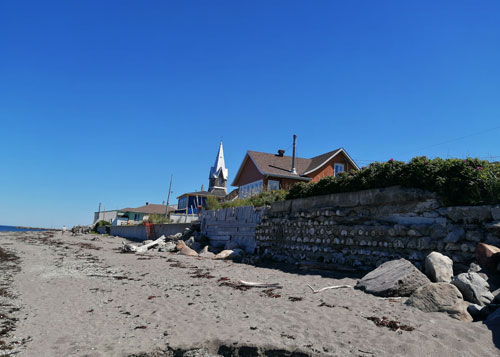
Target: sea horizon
[5,228]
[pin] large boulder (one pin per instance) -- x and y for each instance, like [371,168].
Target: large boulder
[488,255]
[473,288]
[393,278]
[439,267]
[185,250]
[227,253]
[204,253]
[440,297]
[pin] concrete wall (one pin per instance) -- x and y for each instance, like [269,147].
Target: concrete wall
[108,216]
[101,229]
[235,224]
[366,228]
[183,218]
[138,232]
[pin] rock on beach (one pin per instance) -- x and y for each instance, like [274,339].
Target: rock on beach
[393,278]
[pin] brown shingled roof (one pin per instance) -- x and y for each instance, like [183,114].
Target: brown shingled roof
[275,165]
[149,209]
[320,159]
[271,164]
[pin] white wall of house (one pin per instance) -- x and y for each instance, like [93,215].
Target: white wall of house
[108,216]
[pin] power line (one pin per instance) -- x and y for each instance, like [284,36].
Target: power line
[460,138]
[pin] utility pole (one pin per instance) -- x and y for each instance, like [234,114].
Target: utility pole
[168,197]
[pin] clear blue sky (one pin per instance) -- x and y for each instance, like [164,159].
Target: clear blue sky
[101,101]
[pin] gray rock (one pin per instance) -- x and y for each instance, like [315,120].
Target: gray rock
[147,242]
[473,288]
[440,297]
[473,236]
[439,267]
[455,235]
[474,268]
[169,247]
[495,213]
[493,227]
[393,278]
[204,253]
[468,214]
[189,242]
[496,296]
[175,236]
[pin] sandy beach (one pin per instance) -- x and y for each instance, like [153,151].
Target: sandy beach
[75,296]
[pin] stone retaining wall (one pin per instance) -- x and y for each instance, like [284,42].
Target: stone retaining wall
[236,224]
[366,228]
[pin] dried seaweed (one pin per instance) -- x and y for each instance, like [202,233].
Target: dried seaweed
[270,293]
[198,273]
[390,324]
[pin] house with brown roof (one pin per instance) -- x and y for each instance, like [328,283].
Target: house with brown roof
[262,171]
[131,215]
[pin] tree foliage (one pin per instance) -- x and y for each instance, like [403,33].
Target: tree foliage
[456,181]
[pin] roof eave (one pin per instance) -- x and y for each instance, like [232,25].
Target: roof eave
[341,150]
[301,178]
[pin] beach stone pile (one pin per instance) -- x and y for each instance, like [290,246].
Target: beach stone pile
[193,243]
[77,230]
[468,296]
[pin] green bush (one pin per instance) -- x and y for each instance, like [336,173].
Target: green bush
[102,223]
[158,219]
[212,203]
[262,199]
[457,181]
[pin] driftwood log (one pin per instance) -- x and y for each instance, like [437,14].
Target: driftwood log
[127,247]
[260,285]
[328,287]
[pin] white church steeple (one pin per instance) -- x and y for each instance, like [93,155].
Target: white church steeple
[218,173]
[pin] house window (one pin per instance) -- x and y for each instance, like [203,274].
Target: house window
[273,185]
[182,203]
[250,189]
[338,168]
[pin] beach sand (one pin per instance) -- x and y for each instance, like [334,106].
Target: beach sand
[78,297]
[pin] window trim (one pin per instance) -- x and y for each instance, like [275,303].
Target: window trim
[335,168]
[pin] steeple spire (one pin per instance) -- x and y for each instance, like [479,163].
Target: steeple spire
[218,173]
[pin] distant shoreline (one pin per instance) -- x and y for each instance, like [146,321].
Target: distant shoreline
[5,228]
[37,228]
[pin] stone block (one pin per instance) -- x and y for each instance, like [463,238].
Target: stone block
[455,235]
[468,214]
[406,220]
[282,207]
[488,256]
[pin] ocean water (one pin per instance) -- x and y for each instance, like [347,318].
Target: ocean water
[17,229]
